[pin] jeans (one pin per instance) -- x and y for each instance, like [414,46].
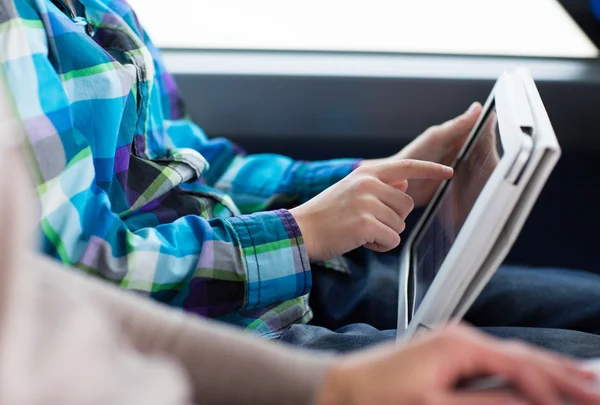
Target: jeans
[557,309]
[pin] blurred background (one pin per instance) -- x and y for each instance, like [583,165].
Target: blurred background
[341,78]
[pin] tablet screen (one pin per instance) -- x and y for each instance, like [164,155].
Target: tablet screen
[471,172]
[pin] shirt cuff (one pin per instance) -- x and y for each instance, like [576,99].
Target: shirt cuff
[278,268]
[311,178]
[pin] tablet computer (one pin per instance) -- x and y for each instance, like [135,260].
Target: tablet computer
[475,217]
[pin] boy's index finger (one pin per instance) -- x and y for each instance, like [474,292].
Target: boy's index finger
[407,169]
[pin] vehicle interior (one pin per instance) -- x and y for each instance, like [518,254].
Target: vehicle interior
[317,80]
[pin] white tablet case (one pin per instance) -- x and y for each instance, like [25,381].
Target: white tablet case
[498,214]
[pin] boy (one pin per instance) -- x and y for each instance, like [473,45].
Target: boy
[132,191]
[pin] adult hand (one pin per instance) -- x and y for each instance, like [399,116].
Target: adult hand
[367,208]
[428,370]
[440,144]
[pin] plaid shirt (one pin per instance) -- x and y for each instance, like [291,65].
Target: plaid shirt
[131,190]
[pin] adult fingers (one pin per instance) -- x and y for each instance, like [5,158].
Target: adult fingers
[571,381]
[483,355]
[523,372]
[574,387]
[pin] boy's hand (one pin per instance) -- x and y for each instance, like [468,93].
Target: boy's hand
[440,144]
[367,208]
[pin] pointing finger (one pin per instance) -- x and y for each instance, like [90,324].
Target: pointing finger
[397,171]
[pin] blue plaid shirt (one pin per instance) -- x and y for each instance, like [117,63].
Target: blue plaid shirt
[131,190]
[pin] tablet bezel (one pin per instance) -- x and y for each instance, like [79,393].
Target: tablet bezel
[492,208]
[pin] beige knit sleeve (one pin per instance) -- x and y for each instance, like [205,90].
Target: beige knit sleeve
[224,366]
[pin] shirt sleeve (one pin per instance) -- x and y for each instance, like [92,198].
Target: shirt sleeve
[254,182]
[260,181]
[212,267]
[212,354]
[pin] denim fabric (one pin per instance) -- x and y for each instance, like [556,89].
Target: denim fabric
[557,309]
